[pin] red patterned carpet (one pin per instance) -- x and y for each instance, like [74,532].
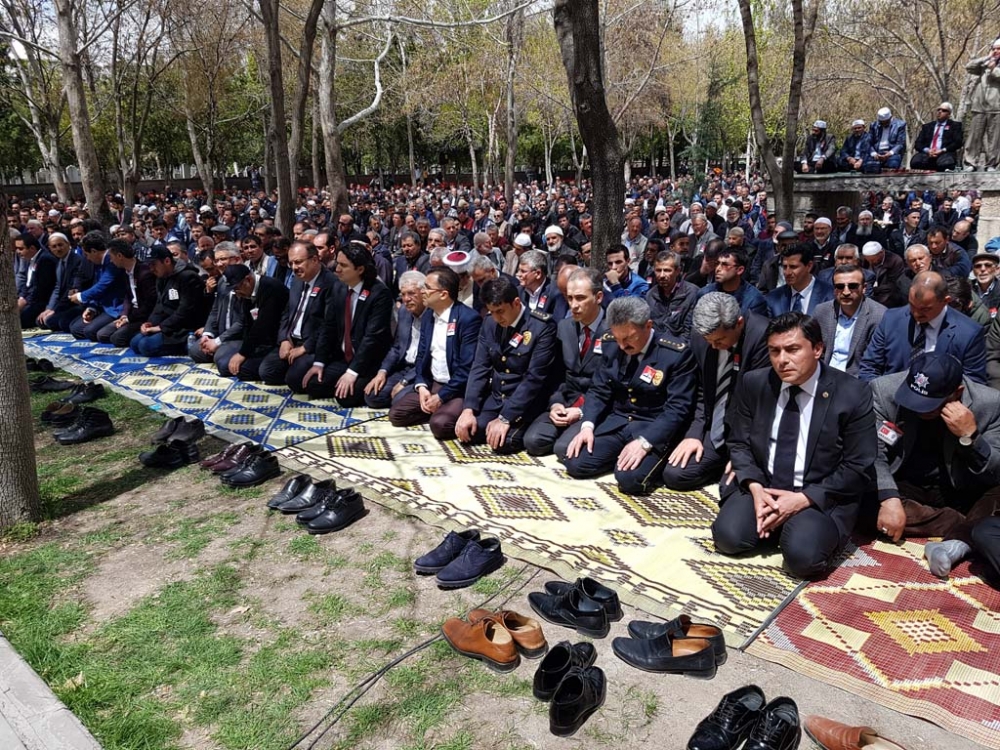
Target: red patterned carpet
[883,627]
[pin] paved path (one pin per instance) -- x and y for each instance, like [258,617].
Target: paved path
[31,717]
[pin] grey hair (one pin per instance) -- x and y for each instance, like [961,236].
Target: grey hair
[412,278]
[591,276]
[535,259]
[628,311]
[482,263]
[439,232]
[848,247]
[917,246]
[845,211]
[60,235]
[481,238]
[736,232]
[229,248]
[437,256]
[714,311]
[668,256]
[867,213]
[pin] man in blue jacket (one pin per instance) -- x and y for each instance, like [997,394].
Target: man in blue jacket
[104,301]
[888,143]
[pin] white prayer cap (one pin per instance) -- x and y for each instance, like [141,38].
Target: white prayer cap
[821,124]
[205,210]
[823,220]
[554,230]
[858,122]
[871,249]
[867,213]
[523,240]
[884,114]
[457,261]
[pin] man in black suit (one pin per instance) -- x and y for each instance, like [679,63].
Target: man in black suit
[412,257]
[726,346]
[637,406]
[140,296]
[226,319]
[60,311]
[263,299]
[938,142]
[909,233]
[39,279]
[398,369]
[356,332]
[303,318]
[802,444]
[802,291]
[581,347]
[539,291]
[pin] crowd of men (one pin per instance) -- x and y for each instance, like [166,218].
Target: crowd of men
[865,349]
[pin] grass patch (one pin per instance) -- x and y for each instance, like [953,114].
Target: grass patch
[305,547]
[331,608]
[400,597]
[192,535]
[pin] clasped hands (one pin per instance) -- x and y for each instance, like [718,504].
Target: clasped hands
[773,507]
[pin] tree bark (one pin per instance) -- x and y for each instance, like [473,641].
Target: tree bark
[578,30]
[206,172]
[336,175]
[301,95]
[269,10]
[317,173]
[19,499]
[79,116]
[514,33]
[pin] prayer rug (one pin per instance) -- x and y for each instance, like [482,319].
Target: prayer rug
[883,627]
[91,361]
[656,551]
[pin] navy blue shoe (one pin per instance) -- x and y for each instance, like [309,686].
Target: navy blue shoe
[478,558]
[438,558]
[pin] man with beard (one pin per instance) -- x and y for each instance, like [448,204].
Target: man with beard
[866,231]
[986,287]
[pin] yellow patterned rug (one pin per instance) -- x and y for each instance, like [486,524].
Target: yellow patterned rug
[656,551]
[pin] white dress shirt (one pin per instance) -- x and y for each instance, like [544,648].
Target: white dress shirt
[933,329]
[806,399]
[439,347]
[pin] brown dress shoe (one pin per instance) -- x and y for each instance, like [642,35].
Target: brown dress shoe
[832,735]
[526,631]
[486,639]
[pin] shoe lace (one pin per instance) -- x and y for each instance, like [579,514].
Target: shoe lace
[768,730]
[726,712]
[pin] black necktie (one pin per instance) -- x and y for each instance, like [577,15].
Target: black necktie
[722,389]
[630,368]
[919,341]
[785,450]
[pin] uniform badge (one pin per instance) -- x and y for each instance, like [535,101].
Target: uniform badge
[647,374]
[527,337]
[657,377]
[515,340]
[888,433]
[597,347]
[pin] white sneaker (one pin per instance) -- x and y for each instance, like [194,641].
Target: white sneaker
[991,169]
[970,168]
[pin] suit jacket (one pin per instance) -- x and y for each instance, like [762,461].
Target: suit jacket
[370,327]
[109,289]
[951,138]
[395,358]
[891,347]
[226,305]
[460,349]
[993,352]
[43,282]
[401,265]
[145,294]
[898,242]
[550,300]
[780,300]
[752,352]
[869,315]
[896,138]
[579,371]
[262,316]
[977,466]
[319,295]
[840,447]
[750,299]
[65,280]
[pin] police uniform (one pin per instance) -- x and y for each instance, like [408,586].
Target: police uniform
[650,397]
[515,371]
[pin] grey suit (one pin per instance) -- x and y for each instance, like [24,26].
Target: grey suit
[225,306]
[869,315]
[965,488]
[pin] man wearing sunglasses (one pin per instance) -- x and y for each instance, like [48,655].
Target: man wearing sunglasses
[986,286]
[848,321]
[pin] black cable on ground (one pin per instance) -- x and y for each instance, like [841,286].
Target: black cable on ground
[347,701]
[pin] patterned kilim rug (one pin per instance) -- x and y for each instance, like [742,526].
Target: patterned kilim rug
[656,551]
[883,627]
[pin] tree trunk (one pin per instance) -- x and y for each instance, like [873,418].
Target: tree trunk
[336,175]
[548,140]
[317,173]
[19,500]
[205,172]
[472,158]
[269,10]
[301,95]
[670,152]
[514,33]
[79,116]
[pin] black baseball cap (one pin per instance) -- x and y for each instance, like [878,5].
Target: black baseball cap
[160,252]
[235,274]
[931,380]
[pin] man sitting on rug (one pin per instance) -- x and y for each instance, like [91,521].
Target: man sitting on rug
[449,332]
[802,445]
[177,310]
[726,346]
[938,462]
[398,369]
[262,300]
[638,405]
[514,371]
[225,320]
[61,311]
[581,344]
[140,296]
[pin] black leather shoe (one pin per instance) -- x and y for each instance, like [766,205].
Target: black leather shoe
[163,434]
[580,693]
[731,722]
[172,455]
[341,511]
[778,728]
[326,501]
[292,487]
[438,558]
[693,657]
[561,658]
[85,393]
[597,592]
[309,497]
[92,424]
[59,414]
[477,559]
[189,432]
[257,469]
[39,365]
[574,609]
[682,627]
[51,385]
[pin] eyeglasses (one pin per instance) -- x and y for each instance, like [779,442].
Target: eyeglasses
[985,264]
[853,286]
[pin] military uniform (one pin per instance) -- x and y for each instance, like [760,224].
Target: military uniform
[648,396]
[515,371]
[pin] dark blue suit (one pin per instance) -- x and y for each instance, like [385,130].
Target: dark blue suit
[891,346]
[38,292]
[750,299]
[395,366]
[780,300]
[106,296]
[68,277]
[550,300]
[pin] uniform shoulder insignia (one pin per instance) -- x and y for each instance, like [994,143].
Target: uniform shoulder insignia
[673,344]
[541,315]
[608,336]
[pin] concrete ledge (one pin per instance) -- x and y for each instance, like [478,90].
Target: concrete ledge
[31,716]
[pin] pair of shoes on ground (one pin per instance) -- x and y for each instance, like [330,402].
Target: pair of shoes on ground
[584,605]
[48,384]
[243,465]
[461,559]
[319,507]
[179,428]
[576,688]
[176,445]
[88,424]
[38,365]
[498,639]
[63,411]
[679,646]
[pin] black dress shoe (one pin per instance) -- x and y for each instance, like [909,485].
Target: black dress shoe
[258,468]
[693,657]
[326,501]
[438,558]
[292,487]
[580,693]
[682,627]
[92,424]
[51,385]
[597,592]
[340,513]
[477,559]
[731,722]
[85,393]
[172,455]
[163,434]
[189,432]
[39,365]
[561,658]
[309,497]
[574,609]
[778,728]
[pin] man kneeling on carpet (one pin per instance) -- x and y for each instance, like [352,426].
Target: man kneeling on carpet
[802,444]
[178,307]
[263,300]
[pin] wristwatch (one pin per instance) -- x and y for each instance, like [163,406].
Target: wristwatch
[966,441]
[646,445]
[503,419]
